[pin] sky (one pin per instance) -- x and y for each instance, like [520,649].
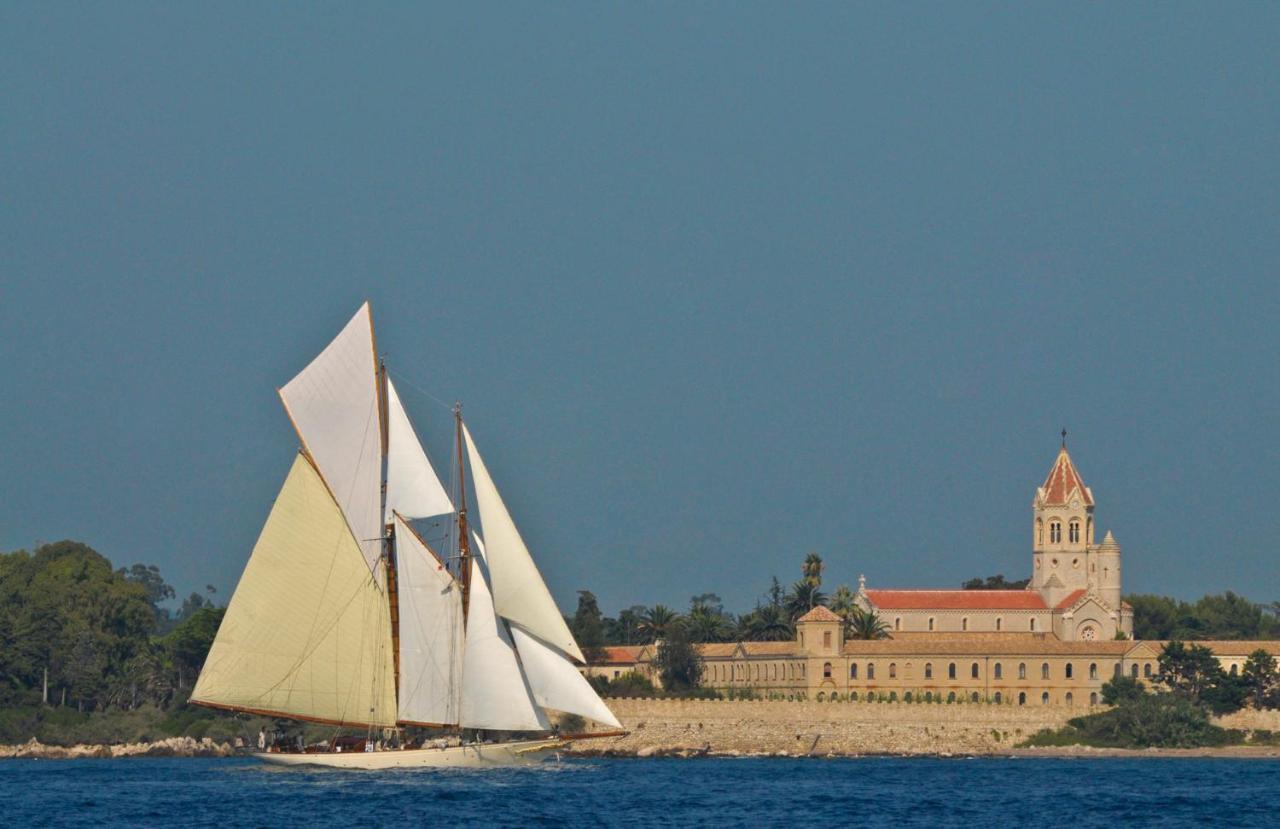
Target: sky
[718,285]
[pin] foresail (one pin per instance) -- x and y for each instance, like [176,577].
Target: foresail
[556,683]
[307,633]
[333,404]
[494,692]
[430,632]
[413,488]
[519,593]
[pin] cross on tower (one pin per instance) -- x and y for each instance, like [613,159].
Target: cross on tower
[1064,437]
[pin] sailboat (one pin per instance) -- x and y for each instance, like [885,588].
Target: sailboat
[346,616]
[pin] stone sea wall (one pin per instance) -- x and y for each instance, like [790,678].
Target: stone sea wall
[820,729]
[171,747]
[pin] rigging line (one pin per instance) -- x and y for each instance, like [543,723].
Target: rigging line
[414,386]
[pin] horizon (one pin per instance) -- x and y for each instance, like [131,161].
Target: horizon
[715,292]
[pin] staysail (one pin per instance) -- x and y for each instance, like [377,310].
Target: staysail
[556,683]
[494,693]
[307,633]
[430,633]
[333,404]
[519,593]
[413,487]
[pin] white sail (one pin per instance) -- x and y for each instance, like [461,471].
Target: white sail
[307,633]
[430,604]
[519,593]
[556,683]
[333,403]
[413,488]
[494,693]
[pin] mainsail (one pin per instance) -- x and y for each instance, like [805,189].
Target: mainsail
[519,593]
[413,488]
[430,632]
[555,682]
[306,634]
[333,403]
[494,693]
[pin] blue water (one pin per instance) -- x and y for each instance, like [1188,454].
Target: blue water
[710,792]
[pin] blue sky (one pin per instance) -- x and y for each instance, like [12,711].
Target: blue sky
[717,285]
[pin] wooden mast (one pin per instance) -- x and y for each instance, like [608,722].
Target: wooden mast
[388,534]
[464,540]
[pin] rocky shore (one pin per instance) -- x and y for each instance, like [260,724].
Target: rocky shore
[171,747]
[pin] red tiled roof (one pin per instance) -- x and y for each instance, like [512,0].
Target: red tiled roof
[1072,598]
[1063,480]
[956,600]
[820,614]
[620,654]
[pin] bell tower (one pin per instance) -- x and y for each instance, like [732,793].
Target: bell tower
[1062,545]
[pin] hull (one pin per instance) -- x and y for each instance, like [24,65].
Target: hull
[480,755]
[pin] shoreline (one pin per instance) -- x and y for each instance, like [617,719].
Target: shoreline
[186,747]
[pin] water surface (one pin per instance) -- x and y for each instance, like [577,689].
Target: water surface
[1032,792]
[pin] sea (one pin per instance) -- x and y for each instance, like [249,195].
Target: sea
[713,792]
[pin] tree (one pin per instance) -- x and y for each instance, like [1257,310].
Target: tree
[658,622]
[588,625]
[1121,689]
[189,642]
[767,623]
[626,629]
[811,569]
[843,601]
[1188,670]
[866,624]
[804,596]
[705,625]
[678,662]
[1262,679]
[996,582]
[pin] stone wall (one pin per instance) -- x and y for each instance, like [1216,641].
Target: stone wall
[812,728]
[1249,719]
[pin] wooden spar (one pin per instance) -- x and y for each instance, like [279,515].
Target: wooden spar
[594,735]
[264,712]
[388,533]
[464,541]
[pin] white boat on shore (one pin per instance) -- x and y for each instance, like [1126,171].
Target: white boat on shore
[346,616]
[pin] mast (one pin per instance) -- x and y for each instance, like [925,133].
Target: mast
[464,542]
[388,532]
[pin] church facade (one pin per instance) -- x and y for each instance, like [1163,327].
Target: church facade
[1074,591]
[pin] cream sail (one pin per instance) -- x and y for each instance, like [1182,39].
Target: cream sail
[345,614]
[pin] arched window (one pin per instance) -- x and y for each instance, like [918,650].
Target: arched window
[951,697]
[853,670]
[1119,671]
[893,670]
[1093,670]
[1133,670]
[998,698]
[906,697]
[1022,697]
[1068,670]
[951,671]
[773,671]
[1033,624]
[1055,532]
[998,621]
[1044,671]
[1070,699]
[826,670]
[928,696]
[964,623]
[930,624]
[1073,531]
[1146,671]
[1040,531]
[897,623]
[928,670]
[1234,670]
[1022,670]
[826,639]
[893,696]
[871,670]
[973,697]
[1093,698]
[999,671]
[821,697]
[1044,698]
[973,671]
[853,696]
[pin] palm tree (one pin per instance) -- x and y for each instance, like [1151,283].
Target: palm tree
[843,601]
[866,624]
[812,569]
[706,625]
[804,596]
[767,623]
[657,622]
